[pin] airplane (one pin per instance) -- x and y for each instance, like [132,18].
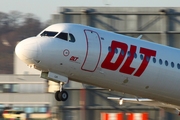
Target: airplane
[67,51]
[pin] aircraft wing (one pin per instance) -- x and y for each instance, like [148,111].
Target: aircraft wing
[144,101]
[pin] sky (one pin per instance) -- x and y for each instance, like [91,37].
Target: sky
[44,8]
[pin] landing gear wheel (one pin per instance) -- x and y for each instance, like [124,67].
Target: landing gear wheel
[57,96]
[63,95]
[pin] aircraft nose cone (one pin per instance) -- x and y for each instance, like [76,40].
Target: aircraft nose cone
[27,50]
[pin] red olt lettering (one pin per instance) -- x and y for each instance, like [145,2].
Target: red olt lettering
[73,58]
[126,67]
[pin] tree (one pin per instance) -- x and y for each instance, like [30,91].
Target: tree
[31,26]
[15,27]
[15,18]
[4,23]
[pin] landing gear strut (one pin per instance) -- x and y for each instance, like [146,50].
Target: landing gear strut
[61,95]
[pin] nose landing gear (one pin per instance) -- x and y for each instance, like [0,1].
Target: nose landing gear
[61,95]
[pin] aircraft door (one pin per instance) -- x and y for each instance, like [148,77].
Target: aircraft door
[93,52]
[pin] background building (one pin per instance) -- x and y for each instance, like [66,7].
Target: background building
[159,25]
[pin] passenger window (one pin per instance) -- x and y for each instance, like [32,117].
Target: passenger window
[141,57]
[129,54]
[172,64]
[116,50]
[63,36]
[147,58]
[122,52]
[178,66]
[160,61]
[109,49]
[154,60]
[135,55]
[166,63]
[49,33]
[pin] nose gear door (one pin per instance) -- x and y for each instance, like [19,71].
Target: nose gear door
[93,52]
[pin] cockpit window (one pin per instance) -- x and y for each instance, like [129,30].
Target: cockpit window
[63,36]
[49,33]
[71,38]
[66,36]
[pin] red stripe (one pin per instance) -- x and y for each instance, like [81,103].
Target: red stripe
[104,116]
[130,116]
[145,116]
[119,116]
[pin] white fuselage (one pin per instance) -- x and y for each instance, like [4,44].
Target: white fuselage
[100,58]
